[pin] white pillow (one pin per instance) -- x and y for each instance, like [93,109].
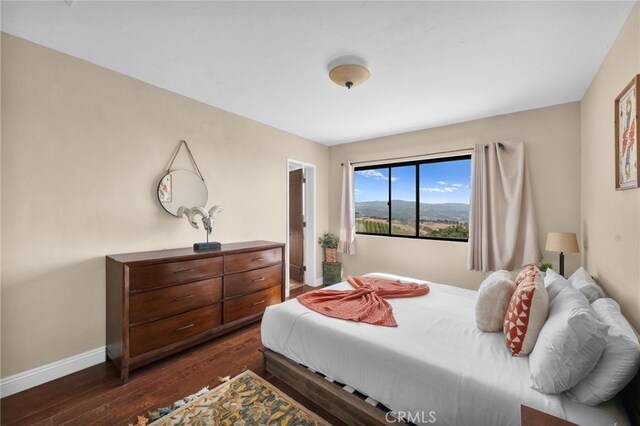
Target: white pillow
[493,299]
[582,281]
[569,344]
[554,282]
[619,362]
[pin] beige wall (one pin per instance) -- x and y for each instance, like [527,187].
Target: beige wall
[611,219]
[82,151]
[552,141]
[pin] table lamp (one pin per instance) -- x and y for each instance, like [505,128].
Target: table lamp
[564,242]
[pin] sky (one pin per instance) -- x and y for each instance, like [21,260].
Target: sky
[442,182]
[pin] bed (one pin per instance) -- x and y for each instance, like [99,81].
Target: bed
[436,365]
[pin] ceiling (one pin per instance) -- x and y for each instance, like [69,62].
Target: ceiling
[432,63]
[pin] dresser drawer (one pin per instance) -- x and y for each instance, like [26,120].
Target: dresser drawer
[253,260]
[145,277]
[164,332]
[252,281]
[251,304]
[164,302]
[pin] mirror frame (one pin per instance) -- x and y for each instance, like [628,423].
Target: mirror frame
[162,203]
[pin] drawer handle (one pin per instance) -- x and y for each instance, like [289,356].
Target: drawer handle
[255,259]
[258,303]
[185,327]
[184,270]
[259,279]
[178,299]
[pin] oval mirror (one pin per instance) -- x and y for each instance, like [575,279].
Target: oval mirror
[181,188]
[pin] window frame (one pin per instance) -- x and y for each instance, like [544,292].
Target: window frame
[417,165]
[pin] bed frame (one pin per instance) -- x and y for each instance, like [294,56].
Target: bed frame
[355,411]
[347,407]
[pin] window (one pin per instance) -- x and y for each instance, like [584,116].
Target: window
[422,199]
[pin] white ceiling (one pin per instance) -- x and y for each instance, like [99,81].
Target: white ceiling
[432,63]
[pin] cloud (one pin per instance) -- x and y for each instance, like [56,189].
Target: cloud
[445,189]
[375,175]
[358,191]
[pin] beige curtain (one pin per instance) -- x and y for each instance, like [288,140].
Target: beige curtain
[347,244]
[502,223]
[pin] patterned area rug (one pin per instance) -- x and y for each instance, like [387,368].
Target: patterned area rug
[247,399]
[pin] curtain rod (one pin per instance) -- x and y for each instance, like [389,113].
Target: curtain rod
[500,145]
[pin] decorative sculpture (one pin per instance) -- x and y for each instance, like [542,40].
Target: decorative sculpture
[208,220]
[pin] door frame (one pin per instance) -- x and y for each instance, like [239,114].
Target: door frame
[310,219]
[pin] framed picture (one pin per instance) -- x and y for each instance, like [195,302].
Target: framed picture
[626,136]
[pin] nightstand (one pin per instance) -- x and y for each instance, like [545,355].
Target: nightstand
[331,272]
[532,417]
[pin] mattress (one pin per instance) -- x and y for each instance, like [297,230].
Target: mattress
[435,365]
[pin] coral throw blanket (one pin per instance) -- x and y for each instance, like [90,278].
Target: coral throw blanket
[365,303]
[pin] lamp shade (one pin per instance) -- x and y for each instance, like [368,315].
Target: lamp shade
[565,242]
[349,75]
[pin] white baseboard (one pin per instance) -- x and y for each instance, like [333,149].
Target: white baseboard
[46,373]
[318,281]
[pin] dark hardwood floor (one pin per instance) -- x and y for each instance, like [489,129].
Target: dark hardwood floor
[95,396]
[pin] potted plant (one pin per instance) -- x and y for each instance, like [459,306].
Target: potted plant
[329,242]
[544,266]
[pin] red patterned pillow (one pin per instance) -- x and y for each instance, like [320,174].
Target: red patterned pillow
[526,272]
[526,314]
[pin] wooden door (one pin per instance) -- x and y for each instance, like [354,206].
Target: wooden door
[296,226]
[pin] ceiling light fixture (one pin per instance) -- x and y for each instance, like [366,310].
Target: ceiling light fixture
[349,75]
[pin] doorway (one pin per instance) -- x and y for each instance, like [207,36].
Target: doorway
[296,227]
[301,233]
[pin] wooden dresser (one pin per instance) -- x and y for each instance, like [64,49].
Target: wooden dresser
[161,302]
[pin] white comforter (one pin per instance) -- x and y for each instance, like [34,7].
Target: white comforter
[435,364]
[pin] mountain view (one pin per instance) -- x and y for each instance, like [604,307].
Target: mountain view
[406,210]
[437,220]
